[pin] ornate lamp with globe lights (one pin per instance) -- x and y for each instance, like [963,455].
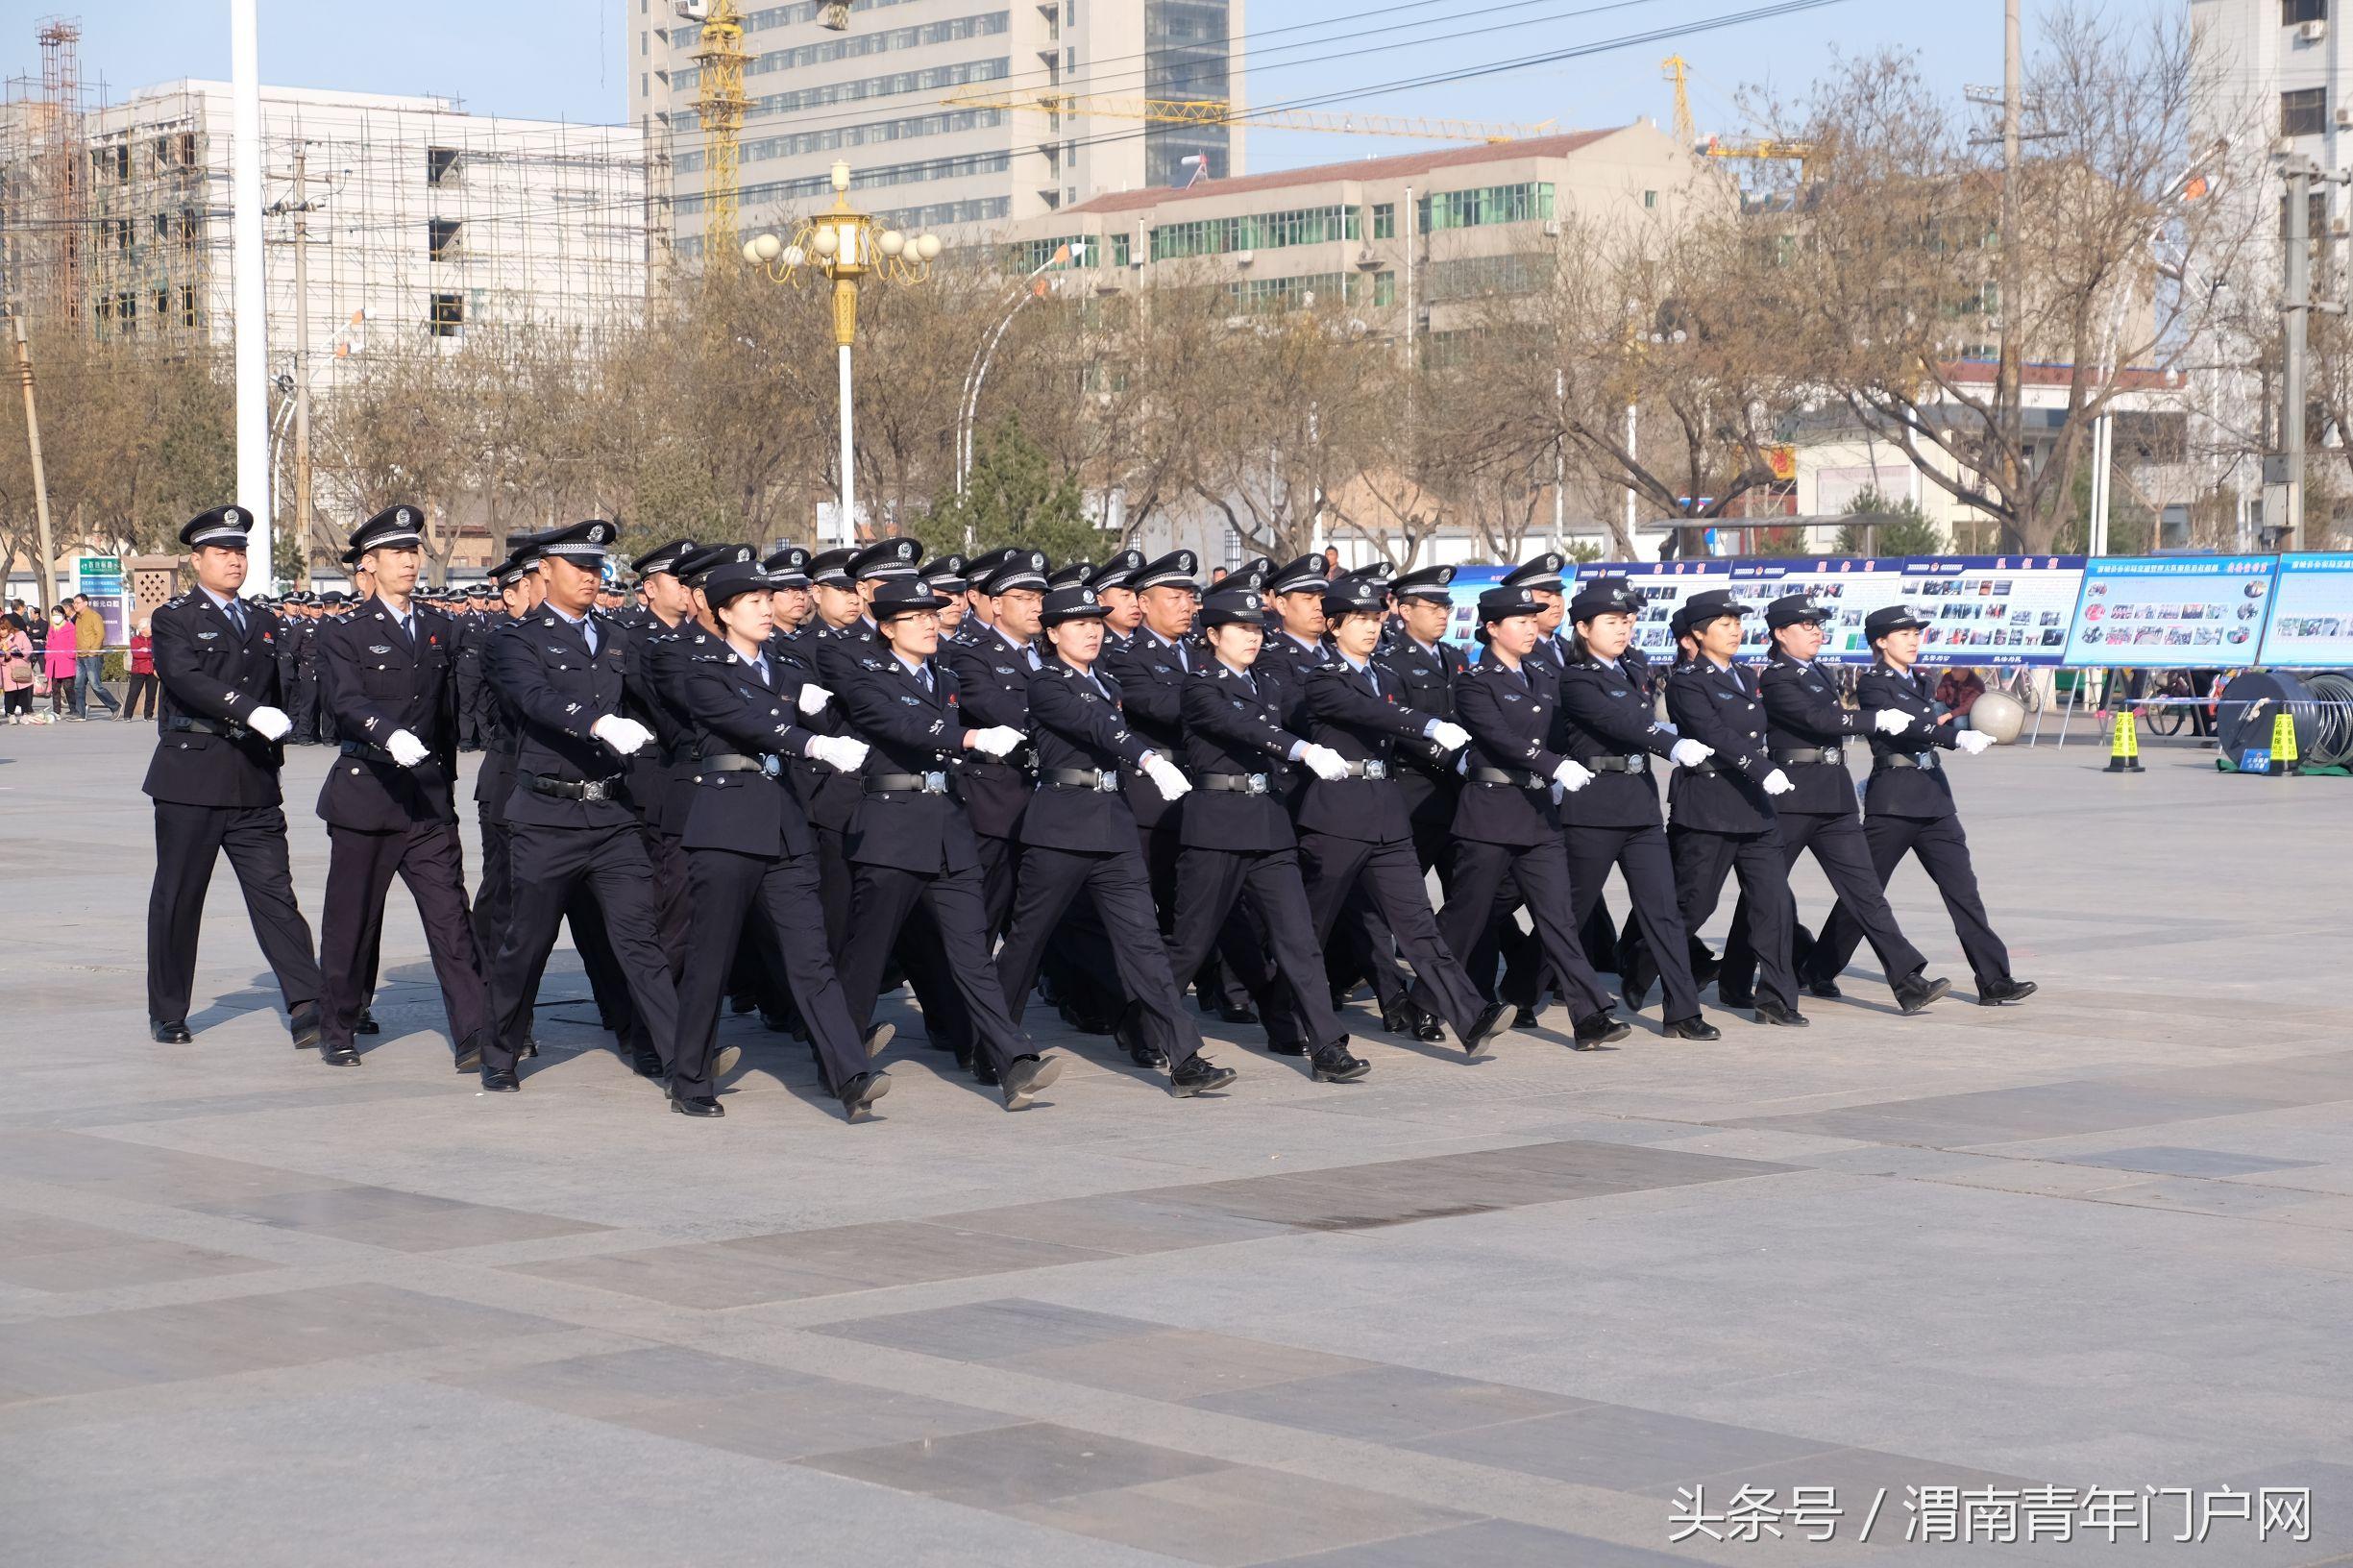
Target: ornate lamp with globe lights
[846,246]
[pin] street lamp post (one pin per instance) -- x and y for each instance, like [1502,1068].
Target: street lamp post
[968,408]
[846,246]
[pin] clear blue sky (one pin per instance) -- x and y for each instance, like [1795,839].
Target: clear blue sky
[562,59]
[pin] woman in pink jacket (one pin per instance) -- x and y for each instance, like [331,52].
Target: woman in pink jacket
[59,651]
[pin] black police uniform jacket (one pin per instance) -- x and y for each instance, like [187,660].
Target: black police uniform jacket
[1234,725]
[1922,790]
[1720,708]
[556,689]
[1425,682]
[1510,715]
[832,656]
[733,711]
[1362,724]
[992,679]
[1288,662]
[655,685]
[1605,711]
[1150,678]
[375,681]
[212,676]
[1802,714]
[908,731]
[1076,724]
[493,781]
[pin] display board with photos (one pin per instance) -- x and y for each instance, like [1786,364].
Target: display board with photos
[1849,587]
[1998,610]
[2172,612]
[2310,627]
[1663,586]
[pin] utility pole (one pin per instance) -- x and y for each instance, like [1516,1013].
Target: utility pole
[40,477]
[2284,473]
[2007,372]
[302,365]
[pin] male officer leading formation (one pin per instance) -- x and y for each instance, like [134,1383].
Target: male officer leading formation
[801,780]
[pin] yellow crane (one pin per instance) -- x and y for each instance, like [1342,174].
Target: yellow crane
[1678,70]
[1218,111]
[719,56]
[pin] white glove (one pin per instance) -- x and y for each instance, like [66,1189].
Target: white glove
[1972,741]
[1891,720]
[1777,782]
[838,752]
[406,748]
[1324,763]
[997,740]
[1449,735]
[1166,780]
[1690,753]
[813,696]
[1571,776]
[623,735]
[270,724]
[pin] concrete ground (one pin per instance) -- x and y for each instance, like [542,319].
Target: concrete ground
[2022,1279]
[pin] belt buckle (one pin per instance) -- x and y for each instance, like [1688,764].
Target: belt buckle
[935,783]
[1105,781]
[1641,763]
[1376,769]
[592,789]
[1258,784]
[772,765]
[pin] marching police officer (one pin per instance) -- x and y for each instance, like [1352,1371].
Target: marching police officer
[951,580]
[387,674]
[1114,587]
[517,579]
[214,782]
[1908,807]
[1808,727]
[992,669]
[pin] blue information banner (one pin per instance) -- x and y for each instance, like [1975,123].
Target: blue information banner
[1996,610]
[2172,612]
[2312,614]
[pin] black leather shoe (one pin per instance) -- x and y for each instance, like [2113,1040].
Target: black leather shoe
[304,1025]
[367,1024]
[696,1105]
[1026,1076]
[499,1080]
[1334,1064]
[1402,1018]
[1196,1075]
[1286,1047]
[170,1034]
[1915,991]
[1827,989]
[1084,1019]
[784,1023]
[878,1036]
[647,1061]
[1704,968]
[864,1090]
[1483,1028]
[1736,995]
[723,1061]
[740,1005]
[1148,1056]
[1129,1032]
[1631,996]
[1232,1013]
[1769,1011]
[470,1054]
[1995,993]
[530,1049]
[1601,1029]
[1429,1028]
[984,1072]
[344,1055]
[1526,1017]
[1694,1027]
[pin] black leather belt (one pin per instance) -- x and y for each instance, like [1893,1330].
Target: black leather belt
[730,762]
[229,727]
[918,783]
[1501,775]
[1080,778]
[1835,755]
[1376,768]
[1640,763]
[1234,783]
[374,753]
[573,789]
[1927,761]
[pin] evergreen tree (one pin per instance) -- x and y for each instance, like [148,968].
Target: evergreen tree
[1016,496]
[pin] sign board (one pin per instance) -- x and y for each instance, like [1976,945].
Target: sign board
[2000,611]
[1850,585]
[1663,585]
[100,578]
[2172,612]
[2312,614]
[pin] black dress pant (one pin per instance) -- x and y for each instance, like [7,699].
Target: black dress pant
[1843,854]
[188,841]
[1392,878]
[1122,893]
[1539,874]
[723,887]
[997,860]
[554,864]
[673,914]
[1702,859]
[882,901]
[428,858]
[493,896]
[1642,857]
[1942,850]
[1294,1001]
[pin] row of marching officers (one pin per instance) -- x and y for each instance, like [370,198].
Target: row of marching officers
[794,782]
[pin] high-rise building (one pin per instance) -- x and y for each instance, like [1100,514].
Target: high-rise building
[876,96]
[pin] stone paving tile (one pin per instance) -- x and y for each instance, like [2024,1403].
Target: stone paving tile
[1179,1364]
[1490,1543]
[905,1252]
[621,1383]
[2167,1160]
[381,1217]
[698,1274]
[1385,1404]
[1127,1224]
[1238,1515]
[1618,1446]
[130,1261]
[817,1416]
[1034,1462]
[985,1331]
[113,1168]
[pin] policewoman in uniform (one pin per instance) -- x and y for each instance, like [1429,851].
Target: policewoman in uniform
[910,844]
[1078,832]
[747,842]
[214,782]
[1908,808]
[993,668]
[1808,727]
[1724,805]
[561,676]
[1507,822]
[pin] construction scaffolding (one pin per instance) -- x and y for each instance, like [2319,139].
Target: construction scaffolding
[44,181]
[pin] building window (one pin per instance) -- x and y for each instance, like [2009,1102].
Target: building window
[2303,113]
[1488,204]
[1384,221]
[441,164]
[1650,199]
[187,304]
[1119,249]
[1257,232]
[2293,12]
[1385,289]
[441,237]
[449,316]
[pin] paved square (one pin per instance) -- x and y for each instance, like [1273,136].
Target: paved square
[255,1312]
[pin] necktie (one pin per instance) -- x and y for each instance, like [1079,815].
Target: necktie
[236,616]
[588,630]
[1372,680]
[923,672]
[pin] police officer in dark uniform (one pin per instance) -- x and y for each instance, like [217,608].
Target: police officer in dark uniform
[1150,674]
[993,670]
[949,579]
[294,628]
[746,841]
[469,632]
[1808,727]
[1079,832]
[387,673]
[911,843]
[517,579]
[1908,808]
[1115,588]
[1609,727]
[214,782]
[1507,818]
[561,674]
[668,605]
[1725,805]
